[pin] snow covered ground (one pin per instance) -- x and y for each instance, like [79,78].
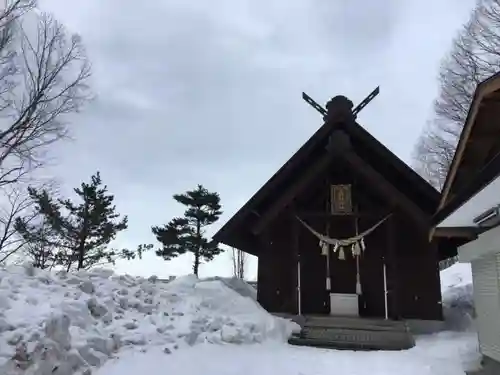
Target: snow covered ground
[458,304]
[101,323]
[443,355]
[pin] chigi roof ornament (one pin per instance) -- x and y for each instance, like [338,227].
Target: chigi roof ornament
[339,108]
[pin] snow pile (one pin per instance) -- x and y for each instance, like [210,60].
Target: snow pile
[457,293]
[238,285]
[62,324]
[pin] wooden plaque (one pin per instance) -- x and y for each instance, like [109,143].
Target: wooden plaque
[341,200]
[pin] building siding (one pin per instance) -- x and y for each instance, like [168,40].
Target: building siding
[485,272]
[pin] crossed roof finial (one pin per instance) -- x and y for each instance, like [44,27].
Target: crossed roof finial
[340,107]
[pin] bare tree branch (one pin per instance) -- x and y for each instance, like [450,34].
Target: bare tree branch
[43,79]
[16,203]
[474,56]
[42,253]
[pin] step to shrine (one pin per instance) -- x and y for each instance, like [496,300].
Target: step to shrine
[353,334]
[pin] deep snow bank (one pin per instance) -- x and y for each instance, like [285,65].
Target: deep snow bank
[457,293]
[238,285]
[60,324]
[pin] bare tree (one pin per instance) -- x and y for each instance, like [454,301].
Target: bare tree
[42,250]
[13,10]
[43,76]
[434,153]
[474,56]
[239,262]
[15,202]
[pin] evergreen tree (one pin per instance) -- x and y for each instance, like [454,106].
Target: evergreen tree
[187,234]
[81,231]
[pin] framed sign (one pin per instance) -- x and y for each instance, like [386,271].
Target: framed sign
[341,200]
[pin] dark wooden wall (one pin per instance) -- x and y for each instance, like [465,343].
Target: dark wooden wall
[412,263]
[277,268]
[313,284]
[418,272]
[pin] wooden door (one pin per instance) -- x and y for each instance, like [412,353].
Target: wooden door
[342,271]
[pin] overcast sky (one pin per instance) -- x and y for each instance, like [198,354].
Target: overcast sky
[209,92]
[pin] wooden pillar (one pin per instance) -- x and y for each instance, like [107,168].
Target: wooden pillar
[328,212]
[261,280]
[393,268]
[294,226]
[434,253]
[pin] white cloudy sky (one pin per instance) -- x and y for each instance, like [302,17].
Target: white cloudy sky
[210,92]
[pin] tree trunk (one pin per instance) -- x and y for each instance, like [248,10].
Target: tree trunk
[81,255]
[81,246]
[239,260]
[196,265]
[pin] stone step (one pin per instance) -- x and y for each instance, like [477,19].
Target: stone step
[355,334]
[354,338]
[348,345]
[356,323]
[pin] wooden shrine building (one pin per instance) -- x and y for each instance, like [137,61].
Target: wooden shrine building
[302,225]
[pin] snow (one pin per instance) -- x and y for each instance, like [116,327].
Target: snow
[443,356]
[458,275]
[101,323]
[457,294]
[59,323]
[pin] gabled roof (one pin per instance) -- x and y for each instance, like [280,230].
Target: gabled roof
[480,127]
[374,152]
[485,176]
[476,161]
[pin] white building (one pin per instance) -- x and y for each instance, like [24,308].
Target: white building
[469,212]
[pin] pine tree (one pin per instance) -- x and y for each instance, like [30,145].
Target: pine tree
[82,231]
[187,234]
